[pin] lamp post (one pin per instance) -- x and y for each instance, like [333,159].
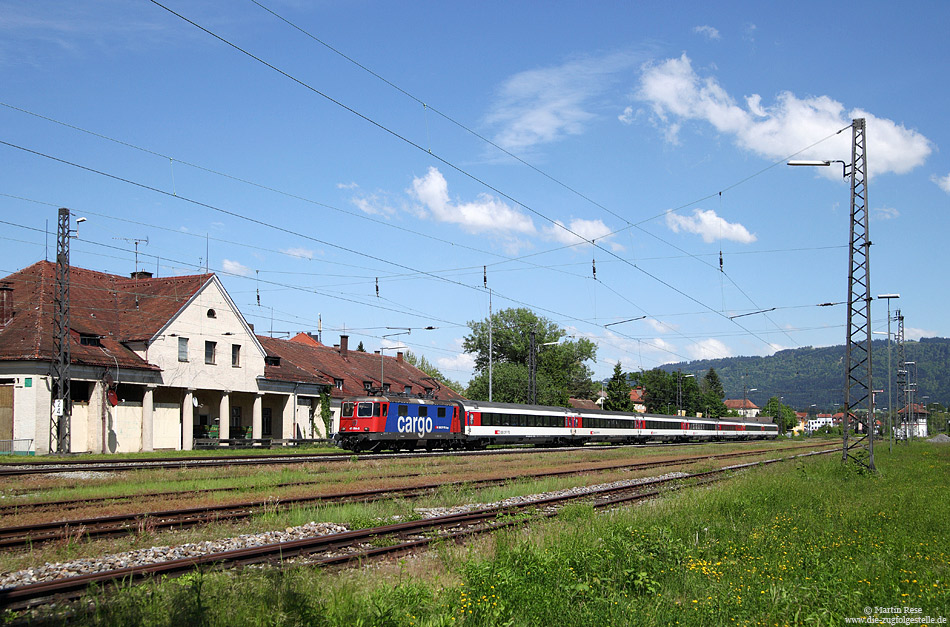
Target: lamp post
[679,390]
[890,401]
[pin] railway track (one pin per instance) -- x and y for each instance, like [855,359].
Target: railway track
[12,537]
[362,544]
[76,465]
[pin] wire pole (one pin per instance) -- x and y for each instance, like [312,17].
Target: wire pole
[858,385]
[61,407]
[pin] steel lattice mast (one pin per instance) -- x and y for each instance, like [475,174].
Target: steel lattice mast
[61,407]
[858,385]
[901,375]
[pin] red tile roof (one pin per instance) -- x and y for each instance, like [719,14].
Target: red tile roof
[636,395]
[583,403]
[740,403]
[306,360]
[116,309]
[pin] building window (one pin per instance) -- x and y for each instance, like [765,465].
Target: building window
[235,420]
[86,339]
[385,387]
[407,389]
[338,384]
[212,313]
[367,385]
[183,349]
[235,355]
[210,350]
[272,360]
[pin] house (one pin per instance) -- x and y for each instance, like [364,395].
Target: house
[912,421]
[745,407]
[820,421]
[157,362]
[583,403]
[636,397]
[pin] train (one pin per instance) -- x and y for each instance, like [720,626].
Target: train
[395,423]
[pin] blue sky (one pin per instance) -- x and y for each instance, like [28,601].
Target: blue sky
[411,144]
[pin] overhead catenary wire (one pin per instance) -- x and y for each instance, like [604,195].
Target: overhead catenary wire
[440,159]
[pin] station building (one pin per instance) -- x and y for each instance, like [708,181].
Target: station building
[156,363]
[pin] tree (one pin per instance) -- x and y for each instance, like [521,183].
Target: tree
[561,368]
[659,391]
[360,348]
[712,384]
[618,392]
[782,415]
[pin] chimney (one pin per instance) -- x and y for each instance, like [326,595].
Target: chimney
[399,356]
[344,345]
[6,303]
[251,326]
[140,274]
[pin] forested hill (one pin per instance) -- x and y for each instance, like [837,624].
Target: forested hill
[816,375]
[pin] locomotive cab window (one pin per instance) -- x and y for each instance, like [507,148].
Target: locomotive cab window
[365,410]
[347,410]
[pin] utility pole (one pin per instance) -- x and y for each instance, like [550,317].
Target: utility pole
[901,374]
[532,370]
[858,385]
[61,407]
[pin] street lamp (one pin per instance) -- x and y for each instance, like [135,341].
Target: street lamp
[679,390]
[890,401]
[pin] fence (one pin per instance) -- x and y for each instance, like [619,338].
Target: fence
[16,447]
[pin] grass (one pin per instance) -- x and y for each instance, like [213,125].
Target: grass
[799,543]
[255,484]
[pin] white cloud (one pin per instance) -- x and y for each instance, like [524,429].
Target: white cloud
[943,182]
[586,230]
[628,116]
[547,104]
[708,32]
[676,94]
[710,226]
[461,362]
[485,214]
[234,267]
[302,253]
[710,348]
[373,204]
[911,333]
[660,327]
[657,345]
[884,213]
[352,185]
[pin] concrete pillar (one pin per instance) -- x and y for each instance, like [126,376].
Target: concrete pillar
[148,415]
[287,430]
[224,416]
[188,421]
[256,417]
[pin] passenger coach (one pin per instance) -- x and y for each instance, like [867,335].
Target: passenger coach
[401,423]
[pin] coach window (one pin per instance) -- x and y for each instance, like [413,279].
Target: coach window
[402,411]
